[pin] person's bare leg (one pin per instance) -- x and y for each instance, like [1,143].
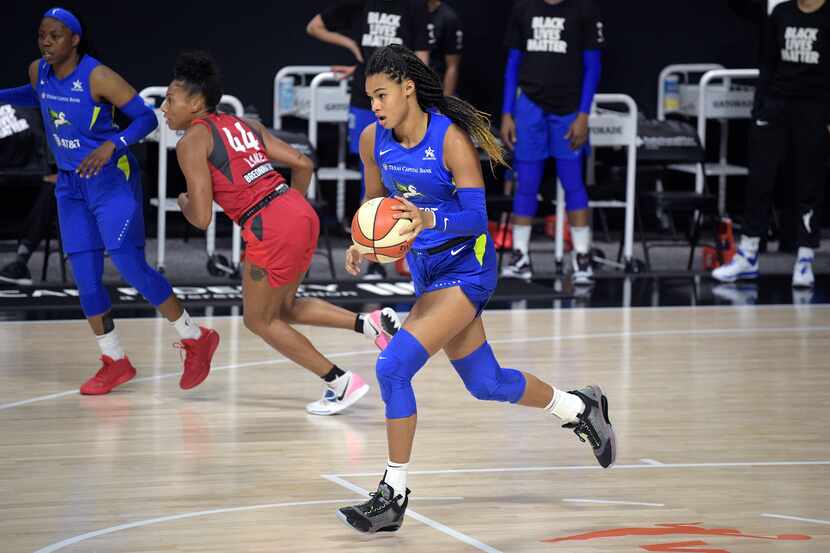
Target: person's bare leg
[317,312]
[263,307]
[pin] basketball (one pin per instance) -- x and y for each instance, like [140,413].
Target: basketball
[377,234]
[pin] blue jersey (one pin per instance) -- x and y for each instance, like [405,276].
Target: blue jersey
[75,123]
[419,174]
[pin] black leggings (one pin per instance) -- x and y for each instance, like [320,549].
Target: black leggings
[782,128]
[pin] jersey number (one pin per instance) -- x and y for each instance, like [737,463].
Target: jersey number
[247,142]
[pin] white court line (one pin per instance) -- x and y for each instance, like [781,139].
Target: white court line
[597,467]
[717,332]
[147,522]
[417,516]
[611,502]
[800,519]
[650,462]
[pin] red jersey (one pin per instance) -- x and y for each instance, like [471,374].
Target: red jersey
[241,171]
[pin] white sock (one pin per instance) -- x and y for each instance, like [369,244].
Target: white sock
[187,329]
[110,345]
[749,245]
[806,253]
[581,238]
[396,477]
[521,238]
[368,329]
[565,406]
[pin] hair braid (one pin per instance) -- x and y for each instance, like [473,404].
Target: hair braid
[400,63]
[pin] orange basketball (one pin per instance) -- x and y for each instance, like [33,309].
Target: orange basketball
[376,234]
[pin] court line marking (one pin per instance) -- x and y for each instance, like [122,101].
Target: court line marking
[738,464]
[647,461]
[611,502]
[147,522]
[646,333]
[417,516]
[800,519]
[773,306]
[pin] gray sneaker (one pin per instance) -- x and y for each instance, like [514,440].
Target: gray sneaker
[381,513]
[594,426]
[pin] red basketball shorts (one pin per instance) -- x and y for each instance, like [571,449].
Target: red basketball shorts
[282,237]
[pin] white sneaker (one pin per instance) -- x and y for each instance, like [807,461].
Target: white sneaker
[741,267]
[381,325]
[331,403]
[803,273]
[583,274]
[519,267]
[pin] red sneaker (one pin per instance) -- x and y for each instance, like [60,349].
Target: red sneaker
[198,354]
[112,374]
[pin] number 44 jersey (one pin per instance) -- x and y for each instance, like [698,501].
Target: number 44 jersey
[240,169]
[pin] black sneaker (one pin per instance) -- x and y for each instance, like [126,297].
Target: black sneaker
[16,272]
[382,513]
[583,272]
[375,271]
[519,266]
[594,426]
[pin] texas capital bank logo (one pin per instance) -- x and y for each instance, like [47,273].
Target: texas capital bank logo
[664,531]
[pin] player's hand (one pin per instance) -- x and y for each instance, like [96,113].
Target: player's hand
[353,260]
[97,158]
[343,71]
[420,219]
[578,133]
[508,130]
[183,200]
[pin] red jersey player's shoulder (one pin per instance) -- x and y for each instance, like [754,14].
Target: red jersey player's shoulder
[197,137]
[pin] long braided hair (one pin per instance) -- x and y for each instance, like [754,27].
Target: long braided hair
[400,63]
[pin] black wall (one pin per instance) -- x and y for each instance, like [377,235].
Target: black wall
[251,40]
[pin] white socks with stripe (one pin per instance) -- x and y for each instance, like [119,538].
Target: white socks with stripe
[581,238]
[396,478]
[521,238]
[565,406]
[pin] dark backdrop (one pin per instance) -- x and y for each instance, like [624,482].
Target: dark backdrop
[251,40]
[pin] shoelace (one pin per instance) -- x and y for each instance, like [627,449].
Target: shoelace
[584,429]
[184,349]
[379,504]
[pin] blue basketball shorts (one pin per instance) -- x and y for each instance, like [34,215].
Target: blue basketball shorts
[540,135]
[471,265]
[104,211]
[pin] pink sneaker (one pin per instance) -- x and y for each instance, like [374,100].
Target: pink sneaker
[331,403]
[380,325]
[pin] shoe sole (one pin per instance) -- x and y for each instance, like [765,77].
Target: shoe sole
[356,396]
[125,378]
[742,276]
[603,402]
[18,281]
[345,520]
[207,372]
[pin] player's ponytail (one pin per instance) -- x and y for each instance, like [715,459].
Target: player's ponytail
[200,74]
[400,63]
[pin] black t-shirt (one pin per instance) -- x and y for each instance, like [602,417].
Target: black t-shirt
[796,60]
[553,39]
[446,37]
[376,23]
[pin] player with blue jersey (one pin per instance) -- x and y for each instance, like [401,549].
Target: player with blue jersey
[421,151]
[99,192]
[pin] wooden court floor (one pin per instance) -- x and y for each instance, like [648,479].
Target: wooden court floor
[722,418]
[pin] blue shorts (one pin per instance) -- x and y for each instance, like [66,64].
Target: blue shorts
[104,211]
[359,119]
[541,135]
[470,265]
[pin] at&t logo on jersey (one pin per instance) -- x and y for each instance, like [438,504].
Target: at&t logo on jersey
[66,143]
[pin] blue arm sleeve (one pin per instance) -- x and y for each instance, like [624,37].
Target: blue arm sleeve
[471,220]
[143,122]
[590,80]
[511,80]
[23,96]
